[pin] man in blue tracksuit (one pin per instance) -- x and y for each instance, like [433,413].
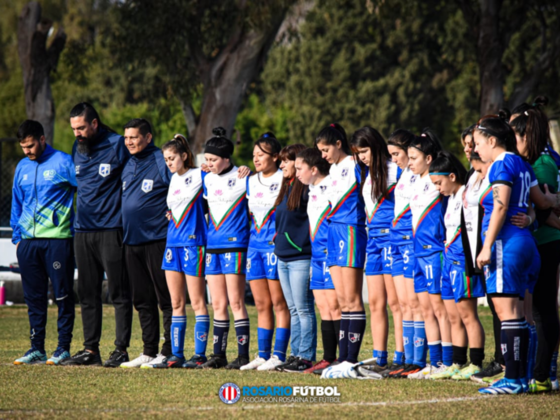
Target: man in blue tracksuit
[41,219]
[99,157]
[145,182]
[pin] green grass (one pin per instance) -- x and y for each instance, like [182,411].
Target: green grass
[46,391]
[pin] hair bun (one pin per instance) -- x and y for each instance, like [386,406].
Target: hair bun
[540,100]
[504,114]
[219,131]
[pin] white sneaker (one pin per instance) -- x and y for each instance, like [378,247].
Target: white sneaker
[439,369]
[136,363]
[270,364]
[423,374]
[555,385]
[160,358]
[257,362]
[344,370]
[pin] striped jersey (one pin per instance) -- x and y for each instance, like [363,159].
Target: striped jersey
[453,243]
[474,189]
[318,209]
[401,226]
[381,210]
[427,218]
[261,195]
[347,204]
[187,226]
[228,224]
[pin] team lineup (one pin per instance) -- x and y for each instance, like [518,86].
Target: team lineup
[430,236]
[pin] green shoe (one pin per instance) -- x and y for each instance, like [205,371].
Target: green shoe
[492,379]
[537,387]
[32,357]
[466,373]
[447,373]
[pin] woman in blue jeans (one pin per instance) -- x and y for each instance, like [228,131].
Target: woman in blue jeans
[293,249]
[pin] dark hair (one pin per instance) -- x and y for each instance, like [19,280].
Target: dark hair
[378,171]
[427,143]
[30,128]
[143,126]
[273,144]
[446,163]
[531,125]
[401,138]
[180,145]
[331,134]
[294,200]
[497,126]
[219,145]
[474,156]
[467,132]
[86,110]
[539,102]
[313,158]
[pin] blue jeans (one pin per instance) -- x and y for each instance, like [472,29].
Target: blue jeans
[294,279]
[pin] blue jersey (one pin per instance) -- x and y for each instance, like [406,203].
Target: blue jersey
[380,210]
[347,204]
[187,227]
[228,226]
[453,242]
[401,227]
[261,194]
[427,207]
[511,170]
[318,208]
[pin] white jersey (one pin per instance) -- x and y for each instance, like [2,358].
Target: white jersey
[453,244]
[318,208]
[347,205]
[423,195]
[471,209]
[262,193]
[403,193]
[380,210]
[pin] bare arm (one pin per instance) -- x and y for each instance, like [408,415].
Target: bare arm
[501,194]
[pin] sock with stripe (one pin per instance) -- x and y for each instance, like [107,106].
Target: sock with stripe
[221,331]
[512,337]
[420,347]
[242,333]
[356,329]
[330,340]
[435,352]
[178,329]
[447,353]
[398,358]
[381,357]
[281,343]
[343,337]
[554,366]
[477,356]
[459,355]
[408,340]
[201,329]
[264,338]
[532,353]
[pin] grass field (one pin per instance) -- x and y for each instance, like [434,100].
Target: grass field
[46,391]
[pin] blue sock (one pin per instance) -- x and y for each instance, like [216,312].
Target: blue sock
[264,338]
[242,333]
[343,337]
[398,358]
[281,343]
[420,348]
[381,357]
[356,329]
[447,353]
[532,356]
[408,339]
[201,329]
[221,331]
[435,352]
[178,328]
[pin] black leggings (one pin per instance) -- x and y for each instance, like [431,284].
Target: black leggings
[545,296]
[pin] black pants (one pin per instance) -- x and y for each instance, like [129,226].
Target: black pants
[98,253]
[544,308]
[149,287]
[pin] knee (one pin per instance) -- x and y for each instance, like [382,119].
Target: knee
[197,305]
[237,305]
[178,305]
[395,307]
[263,305]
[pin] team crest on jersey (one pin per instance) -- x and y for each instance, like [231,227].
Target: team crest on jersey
[353,337]
[188,180]
[105,169]
[413,179]
[242,339]
[202,336]
[49,174]
[344,172]
[147,185]
[426,187]
[168,255]
[77,169]
[274,187]
[231,182]
[419,342]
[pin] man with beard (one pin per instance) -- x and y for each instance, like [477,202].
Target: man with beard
[99,156]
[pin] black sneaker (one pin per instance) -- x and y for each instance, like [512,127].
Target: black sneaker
[394,370]
[116,358]
[288,361]
[195,362]
[216,361]
[409,370]
[298,365]
[320,371]
[493,369]
[83,358]
[171,362]
[237,363]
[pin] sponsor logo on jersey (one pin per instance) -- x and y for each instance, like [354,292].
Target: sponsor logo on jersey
[413,179]
[229,393]
[188,180]
[426,187]
[259,195]
[344,172]
[168,255]
[457,205]
[124,185]
[313,197]
[231,182]
[274,187]
[353,337]
[218,192]
[105,169]
[147,185]
[201,336]
[208,259]
[49,174]
[242,339]
[176,192]
[77,169]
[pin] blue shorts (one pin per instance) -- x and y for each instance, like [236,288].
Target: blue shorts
[346,245]
[320,275]
[378,255]
[455,284]
[508,271]
[402,257]
[226,263]
[262,265]
[185,259]
[427,274]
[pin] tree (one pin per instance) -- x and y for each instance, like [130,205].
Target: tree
[37,62]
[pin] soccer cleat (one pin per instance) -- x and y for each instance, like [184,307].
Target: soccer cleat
[83,358]
[320,371]
[536,387]
[136,363]
[554,385]
[323,364]
[493,379]
[298,366]
[394,372]
[116,358]
[411,370]
[58,356]
[195,361]
[258,361]
[391,368]
[32,357]
[238,363]
[466,373]
[374,367]
[216,361]
[447,373]
[365,372]
[492,370]
[288,361]
[422,374]
[344,370]
[271,364]
[504,386]
[160,358]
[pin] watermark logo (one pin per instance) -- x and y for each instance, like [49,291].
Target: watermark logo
[229,393]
